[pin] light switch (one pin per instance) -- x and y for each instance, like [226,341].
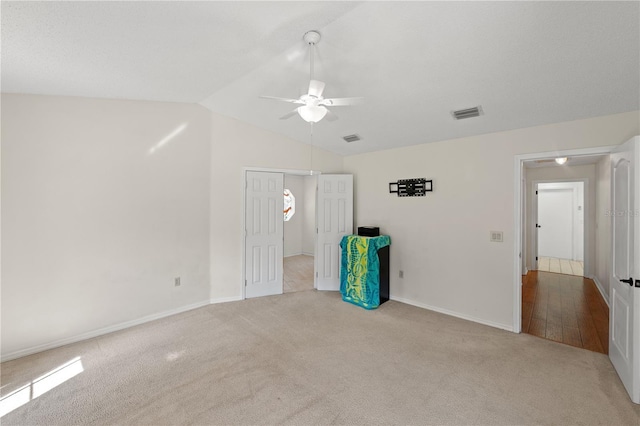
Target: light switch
[495,236]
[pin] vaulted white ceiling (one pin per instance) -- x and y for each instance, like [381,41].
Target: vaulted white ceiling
[525,63]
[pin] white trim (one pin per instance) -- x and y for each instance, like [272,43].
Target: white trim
[100,331]
[601,290]
[517,216]
[285,171]
[302,253]
[518,247]
[580,152]
[243,235]
[225,299]
[452,313]
[294,254]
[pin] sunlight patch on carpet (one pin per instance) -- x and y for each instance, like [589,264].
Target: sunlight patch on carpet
[40,386]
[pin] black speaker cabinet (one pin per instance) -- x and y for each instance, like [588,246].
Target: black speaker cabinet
[383,256]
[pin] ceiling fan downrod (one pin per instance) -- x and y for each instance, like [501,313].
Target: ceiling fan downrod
[311,38]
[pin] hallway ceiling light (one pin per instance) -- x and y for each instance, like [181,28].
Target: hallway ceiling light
[561,160]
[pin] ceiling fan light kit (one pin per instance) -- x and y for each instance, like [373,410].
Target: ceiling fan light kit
[312,114]
[314,106]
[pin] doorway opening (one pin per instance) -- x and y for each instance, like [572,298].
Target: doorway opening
[528,175]
[559,240]
[299,232]
[330,219]
[558,304]
[617,205]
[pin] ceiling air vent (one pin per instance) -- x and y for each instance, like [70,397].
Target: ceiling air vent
[467,113]
[351,138]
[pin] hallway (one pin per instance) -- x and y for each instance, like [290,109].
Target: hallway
[565,308]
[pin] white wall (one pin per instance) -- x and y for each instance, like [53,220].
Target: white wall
[100,211]
[300,231]
[603,226]
[441,241]
[309,224]
[236,145]
[293,228]
[96,226]
[588,172]
[96,223]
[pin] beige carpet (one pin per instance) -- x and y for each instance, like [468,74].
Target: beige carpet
[309,358]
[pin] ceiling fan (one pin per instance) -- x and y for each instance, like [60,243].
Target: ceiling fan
[313,106]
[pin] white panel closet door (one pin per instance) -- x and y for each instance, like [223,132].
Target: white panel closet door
[335,220]
[624,320]
[555,220]
[264,233]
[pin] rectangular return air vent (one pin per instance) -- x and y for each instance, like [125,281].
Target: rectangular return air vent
[467,113]
[351,138]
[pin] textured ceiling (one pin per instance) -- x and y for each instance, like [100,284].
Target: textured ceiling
[526,63]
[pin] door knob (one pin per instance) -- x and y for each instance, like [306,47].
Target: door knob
[629,281]
[538,226]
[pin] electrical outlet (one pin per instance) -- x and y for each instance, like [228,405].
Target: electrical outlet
[176,282]
[401,274]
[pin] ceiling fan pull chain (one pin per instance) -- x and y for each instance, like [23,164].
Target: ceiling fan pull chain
[311,148]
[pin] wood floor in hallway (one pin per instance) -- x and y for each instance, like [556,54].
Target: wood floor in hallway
[565,308]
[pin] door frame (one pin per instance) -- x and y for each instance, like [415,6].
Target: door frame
[518,216]
[243,230]
[586,224]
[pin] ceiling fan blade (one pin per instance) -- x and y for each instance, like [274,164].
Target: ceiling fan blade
[316,87]
[341,101]
[292,101]
[289,114]
[330,116]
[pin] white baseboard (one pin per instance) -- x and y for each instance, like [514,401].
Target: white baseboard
[99,332]
[453,314]
[601,290]
[306,253]
[225,299]
[302,253]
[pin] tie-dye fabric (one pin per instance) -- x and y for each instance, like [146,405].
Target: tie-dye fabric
[360,271]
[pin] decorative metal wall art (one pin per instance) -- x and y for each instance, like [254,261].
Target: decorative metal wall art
[411,187]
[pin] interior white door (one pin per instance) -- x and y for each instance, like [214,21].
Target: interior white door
[555,223]
[264,221]
[624,321]
[335,220]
